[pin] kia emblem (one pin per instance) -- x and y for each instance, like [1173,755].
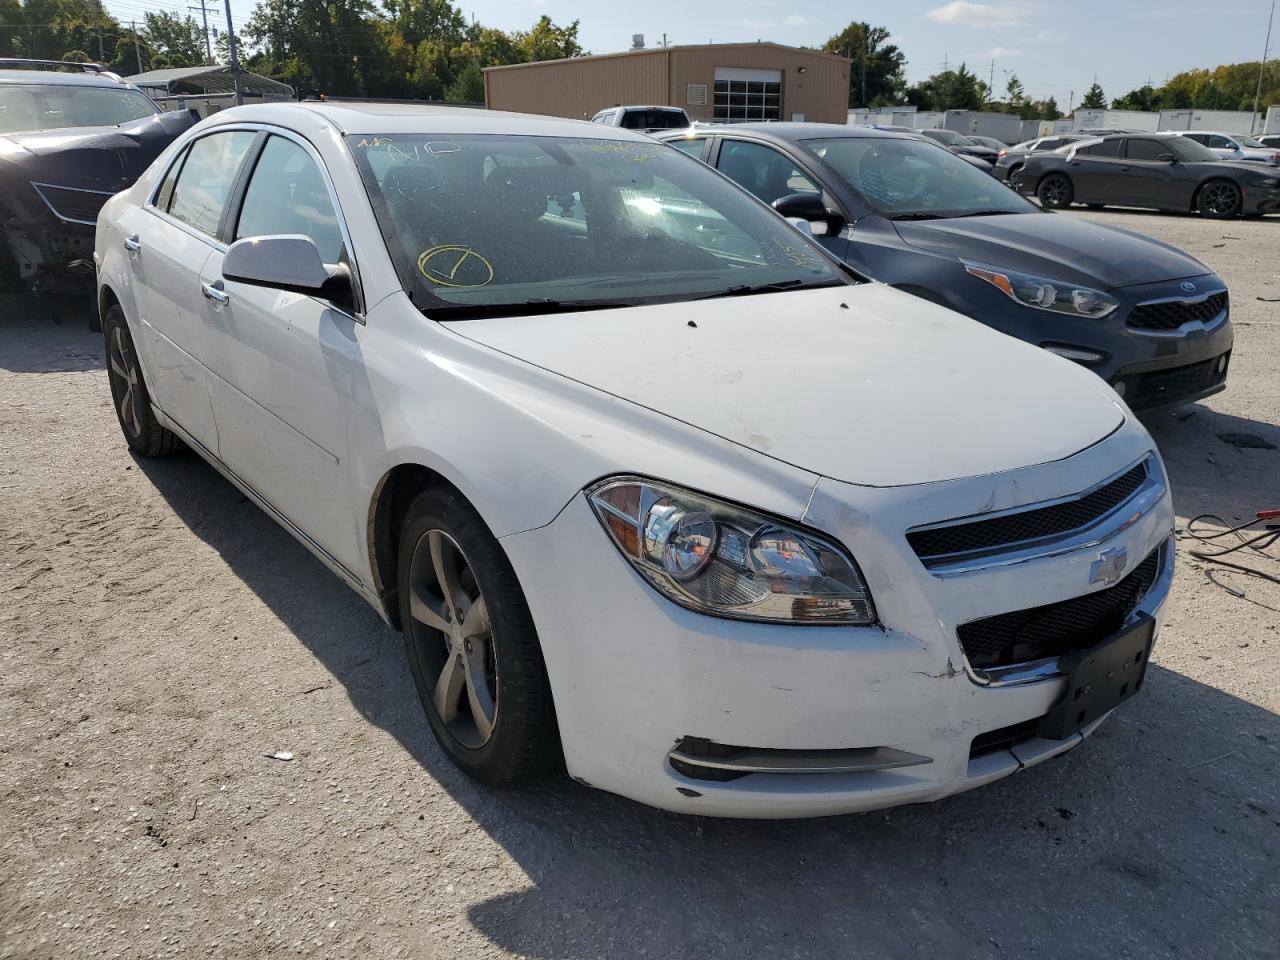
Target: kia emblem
[1109,567]
[1188,286]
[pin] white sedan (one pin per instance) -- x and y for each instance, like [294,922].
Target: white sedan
[651,486]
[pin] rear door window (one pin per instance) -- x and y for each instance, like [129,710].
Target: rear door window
[690,145]
[1149,150]
[1102,149]
[205,181]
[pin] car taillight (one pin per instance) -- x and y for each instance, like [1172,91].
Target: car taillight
[1003,153]
[1275,157]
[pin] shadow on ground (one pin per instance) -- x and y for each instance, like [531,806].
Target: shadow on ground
[1160,837]
[48,335]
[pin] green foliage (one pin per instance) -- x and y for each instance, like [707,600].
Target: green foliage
[950,90]
[1094,98]
[546,41]
[469,87]
[172,41]
[876,67]
[1228,87]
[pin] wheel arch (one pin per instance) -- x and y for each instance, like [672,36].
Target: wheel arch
[392,495]
[107,298]
[1212,178]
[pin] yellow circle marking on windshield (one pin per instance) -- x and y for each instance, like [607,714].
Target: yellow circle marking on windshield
[455,265]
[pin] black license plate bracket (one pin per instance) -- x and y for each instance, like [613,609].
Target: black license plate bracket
[1099,679]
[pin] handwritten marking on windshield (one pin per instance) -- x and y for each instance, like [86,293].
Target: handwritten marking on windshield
[455,265]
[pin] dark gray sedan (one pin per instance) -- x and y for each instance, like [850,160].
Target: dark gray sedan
[1151,170]
[1146,317]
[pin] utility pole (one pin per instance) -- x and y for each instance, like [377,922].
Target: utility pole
[991,82]
[1266,45]
[204,17]
[235,57]
[101,56]
[866,43]
[137,48]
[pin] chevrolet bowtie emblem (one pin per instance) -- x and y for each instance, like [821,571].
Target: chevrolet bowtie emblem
[1109,567]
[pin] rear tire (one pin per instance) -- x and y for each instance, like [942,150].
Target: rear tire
[1014,173]
[472,646]
[1219,200]
[129,396]
[1055,191]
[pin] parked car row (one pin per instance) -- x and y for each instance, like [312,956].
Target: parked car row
[657,485]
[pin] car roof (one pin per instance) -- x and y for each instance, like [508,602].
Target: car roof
[61,78]
[410,118]
[795,130]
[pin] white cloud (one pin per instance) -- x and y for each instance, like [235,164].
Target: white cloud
[999,53]
[1044,36]
[1011,13]
[795,20]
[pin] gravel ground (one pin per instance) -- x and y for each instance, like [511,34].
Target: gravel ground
[161,637]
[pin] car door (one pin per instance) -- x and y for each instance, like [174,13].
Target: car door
[1149,181]
[280,363]
[174,234]
[1095,172]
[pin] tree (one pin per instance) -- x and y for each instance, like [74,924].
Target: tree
[173,41]
[1014,93]
[950,90]
[546,41]
[1048,109]
[1094,98]
[468,87]
[876,67]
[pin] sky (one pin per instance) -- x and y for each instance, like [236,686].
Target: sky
[1056,47]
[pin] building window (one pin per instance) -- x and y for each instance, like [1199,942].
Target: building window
[695,94]
[742,101]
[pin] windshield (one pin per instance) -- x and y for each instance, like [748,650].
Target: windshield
[1187,149]
[654,119]
[49,106]
[1248,141]
[480,223]
[950,138]
[909,179]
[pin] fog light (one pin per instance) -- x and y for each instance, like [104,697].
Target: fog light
[1222,363]
[1118,387]
[1077,354]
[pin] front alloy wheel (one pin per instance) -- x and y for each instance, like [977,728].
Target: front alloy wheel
[1055,192]
[451,621]
[142,431]
[1220,199]
[471,643]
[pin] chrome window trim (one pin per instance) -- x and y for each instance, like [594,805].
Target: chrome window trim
[36,184]
[1191,325]
[1128,512]
[1034,671]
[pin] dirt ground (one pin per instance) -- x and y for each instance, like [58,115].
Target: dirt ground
[159,637]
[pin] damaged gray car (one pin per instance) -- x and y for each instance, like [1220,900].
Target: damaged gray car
[71,136]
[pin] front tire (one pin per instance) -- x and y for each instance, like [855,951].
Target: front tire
[472,647]
[129,396]
[1219,200]
[1056,191]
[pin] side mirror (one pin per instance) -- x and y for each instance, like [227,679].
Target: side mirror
[289,262]
[1167,158]
[808,208]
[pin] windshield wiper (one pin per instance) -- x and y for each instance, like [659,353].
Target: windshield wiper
[746,290]
[916,216]
[986,213]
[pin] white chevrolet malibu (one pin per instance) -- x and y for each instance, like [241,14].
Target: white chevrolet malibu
[651,486]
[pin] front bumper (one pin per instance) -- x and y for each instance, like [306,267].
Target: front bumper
[636,677]
[51,240]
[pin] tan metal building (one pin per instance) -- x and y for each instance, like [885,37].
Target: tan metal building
[723,82]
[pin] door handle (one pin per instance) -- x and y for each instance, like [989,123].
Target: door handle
[132,244]
[213,291]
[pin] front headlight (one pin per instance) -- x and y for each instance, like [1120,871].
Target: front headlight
[721,559]
[1044,294]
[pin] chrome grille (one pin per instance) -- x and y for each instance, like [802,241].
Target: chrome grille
[69,203]
[954,541]
[1172,314]
[1039,633]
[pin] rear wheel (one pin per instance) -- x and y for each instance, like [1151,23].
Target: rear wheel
[472,646]
[1055,191]
[1014,173]
[1219,200]
[129,396]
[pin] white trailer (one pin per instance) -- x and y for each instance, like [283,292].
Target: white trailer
[1223,121]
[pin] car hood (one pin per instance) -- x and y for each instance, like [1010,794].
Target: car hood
[1057,247]
[862,384]
[92,158]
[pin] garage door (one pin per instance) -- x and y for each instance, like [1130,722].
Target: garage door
[743,95]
